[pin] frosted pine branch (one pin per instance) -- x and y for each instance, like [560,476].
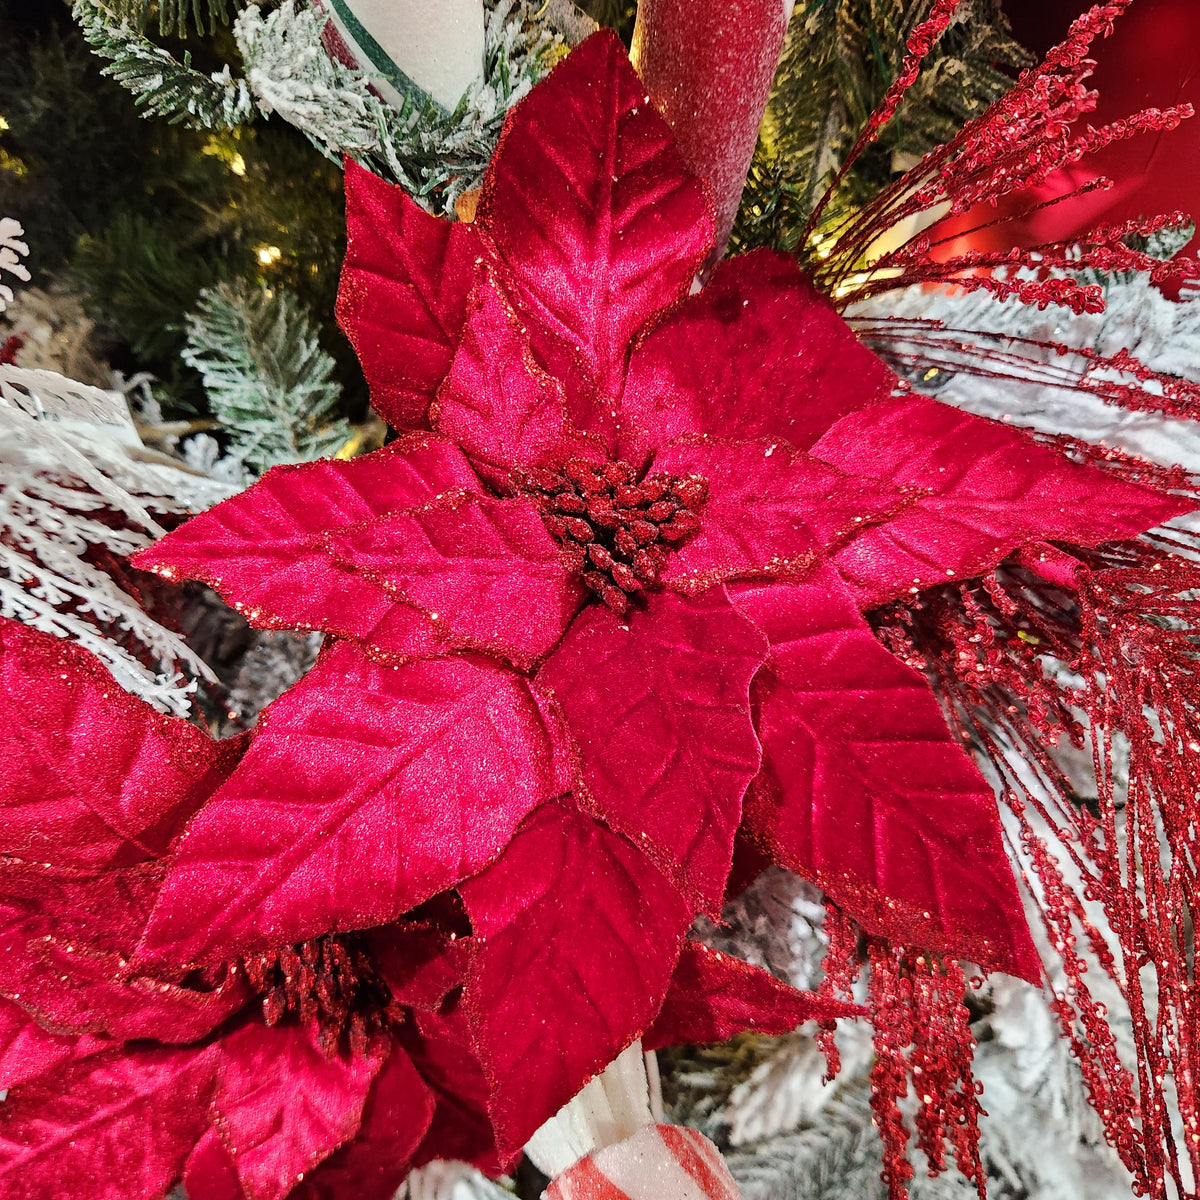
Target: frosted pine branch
[70,490]
[12,250]
[268,381]
[173,15]
[162,86]
[416,144]
[289,73]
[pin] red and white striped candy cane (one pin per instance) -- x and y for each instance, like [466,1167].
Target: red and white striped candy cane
[659,1162]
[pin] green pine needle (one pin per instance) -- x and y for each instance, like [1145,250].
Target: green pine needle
[268,381]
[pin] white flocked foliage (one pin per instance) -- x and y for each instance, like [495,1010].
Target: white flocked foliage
[74,477]
[12,250]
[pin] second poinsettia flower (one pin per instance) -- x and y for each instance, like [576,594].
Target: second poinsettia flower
[599,607]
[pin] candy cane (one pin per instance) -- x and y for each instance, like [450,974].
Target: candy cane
[435,44]
[606,1145]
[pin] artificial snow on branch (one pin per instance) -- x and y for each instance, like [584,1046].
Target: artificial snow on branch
[268,380]
[161,84]
[73,500]
[12,250]
[288,71]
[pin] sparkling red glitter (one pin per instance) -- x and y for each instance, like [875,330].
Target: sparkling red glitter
[1120,621]
[615,531]
[330,980]
[1019,142]
[1124,860]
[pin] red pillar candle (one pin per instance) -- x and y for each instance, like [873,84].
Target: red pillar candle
[708,66]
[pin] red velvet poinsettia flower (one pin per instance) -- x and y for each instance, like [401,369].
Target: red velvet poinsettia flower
[318,1070]
[242,1077]
[599,606]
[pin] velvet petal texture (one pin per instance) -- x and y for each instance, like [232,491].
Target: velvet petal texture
[275,1127]
[28,1050]
[91,776]
[369,790]
[498,404]
[757,353]
[123,1121]
[486,572]
[402,299]
[265,551]
[595,241]
[591,930]
[713,996]
[979,490]
[395,1120]
[66,938]
[660,712]
[864,791]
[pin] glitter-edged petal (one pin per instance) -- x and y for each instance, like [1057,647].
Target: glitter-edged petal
[757,353]
[281,1106]
[484,572]
[403,294]
[712,997]
[592,931]
[770,511]
[367,790]
[864,791]
[979,490]
[659,709]
[121,802]
[136,1112]
[394,1122]
[498,404]
[262,549]
[594,219]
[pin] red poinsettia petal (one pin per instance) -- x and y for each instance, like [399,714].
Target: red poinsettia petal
[281,1106]
[394,1121]
[713,996]
[770,510]
[27,1050]
[498,404]
[980,489]
[659,709]
[596,221]
[367,790]
[123,1122]
[261,549]
[65,940]
[92,775]
[461,1130]
[485,571]
[759,352]
[864,791]
[403,294]
[210,1172]
[578,935]
[420,963]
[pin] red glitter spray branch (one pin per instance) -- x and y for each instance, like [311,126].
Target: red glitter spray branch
[1123,620]
[1020,141]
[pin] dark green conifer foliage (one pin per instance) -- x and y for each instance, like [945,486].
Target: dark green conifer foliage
[839,59]
[142,215]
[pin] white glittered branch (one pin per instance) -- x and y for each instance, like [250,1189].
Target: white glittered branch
[12,250]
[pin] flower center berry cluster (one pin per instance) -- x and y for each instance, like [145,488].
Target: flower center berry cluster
[330,979]
[615,532]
